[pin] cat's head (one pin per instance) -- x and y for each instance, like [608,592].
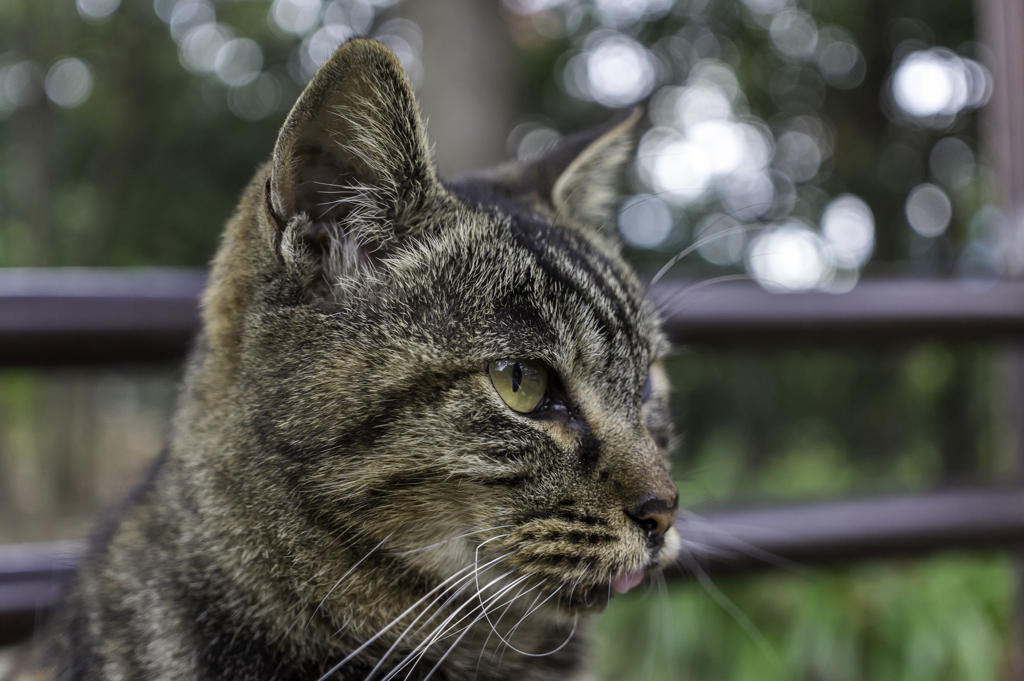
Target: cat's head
[447,373]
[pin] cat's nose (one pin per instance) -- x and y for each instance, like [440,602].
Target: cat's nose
[655,515]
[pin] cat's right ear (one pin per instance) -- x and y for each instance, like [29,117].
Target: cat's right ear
[351,167]
[581,179]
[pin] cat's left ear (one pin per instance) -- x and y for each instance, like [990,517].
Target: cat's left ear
[351,168]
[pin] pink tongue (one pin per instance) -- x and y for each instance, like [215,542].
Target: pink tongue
[625,582]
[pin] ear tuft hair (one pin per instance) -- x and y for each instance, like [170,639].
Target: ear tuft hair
[351,167]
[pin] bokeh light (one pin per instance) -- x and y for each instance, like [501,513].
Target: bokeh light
[199,47]
[404,38]
[849,228]
[96,10]
[69,83]
[357,15]
[839,60]
[720,239]
[645,221]
[928,210]
[21,82]
[794,34]
[530,140]
[762,156]
[938,82]
[619,71]
[238,62]
[789,257]
[952,162]
[701,145]
[187,14]
[257,99]
[320,45]
[621,13]
[767,7]
[296,17]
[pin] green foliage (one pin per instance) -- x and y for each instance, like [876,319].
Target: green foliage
[145,171]
[947,618]
[813,423]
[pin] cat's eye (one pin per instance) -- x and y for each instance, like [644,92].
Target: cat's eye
[521,383]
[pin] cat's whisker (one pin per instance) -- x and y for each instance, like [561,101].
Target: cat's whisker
[696,286]
[439,632]
[442,630]
[493,625]
[508,641]
[450,598]
[396,620]
[741,546]
[347,573]
[447,652]
[738,229]
[530,610]
[448,540]
[485,612]
[465,583]
[730,607]
[483,646]
[413,657]
[451,648]
[577,582]
[575,622]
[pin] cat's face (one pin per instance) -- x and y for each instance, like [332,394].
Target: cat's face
[463,377]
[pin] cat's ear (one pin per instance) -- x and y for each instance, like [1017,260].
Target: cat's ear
[591,184]
[351,167]
[582,178]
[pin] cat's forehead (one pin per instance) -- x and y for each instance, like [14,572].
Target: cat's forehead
[555,284]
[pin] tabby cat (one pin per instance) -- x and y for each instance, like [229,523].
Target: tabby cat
[423,432]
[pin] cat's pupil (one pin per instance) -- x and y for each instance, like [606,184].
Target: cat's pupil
[517,377]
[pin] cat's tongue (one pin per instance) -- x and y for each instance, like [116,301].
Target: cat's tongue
[624,583]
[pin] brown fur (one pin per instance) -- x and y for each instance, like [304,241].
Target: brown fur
[339,451]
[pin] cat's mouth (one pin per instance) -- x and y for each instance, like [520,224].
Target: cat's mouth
[587,592]
[627,581]
[595,597]
[578,571]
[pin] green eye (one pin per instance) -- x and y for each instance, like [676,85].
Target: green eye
[521,383]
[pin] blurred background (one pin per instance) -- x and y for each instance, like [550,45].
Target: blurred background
[801,143]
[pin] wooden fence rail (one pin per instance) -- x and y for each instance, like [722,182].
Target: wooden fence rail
[76,316]
[64,317]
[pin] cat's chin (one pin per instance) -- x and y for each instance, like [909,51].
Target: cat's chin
[591,601]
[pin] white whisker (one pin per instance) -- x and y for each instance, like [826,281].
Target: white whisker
[443,629]
[450,539]
[726,604]
[395,621]
[697,244]
[347,573]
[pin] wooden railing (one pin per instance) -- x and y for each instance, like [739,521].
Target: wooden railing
[66,317]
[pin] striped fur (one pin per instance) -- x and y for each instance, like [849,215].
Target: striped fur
[345,493]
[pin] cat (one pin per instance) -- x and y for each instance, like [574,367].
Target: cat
[423,432]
